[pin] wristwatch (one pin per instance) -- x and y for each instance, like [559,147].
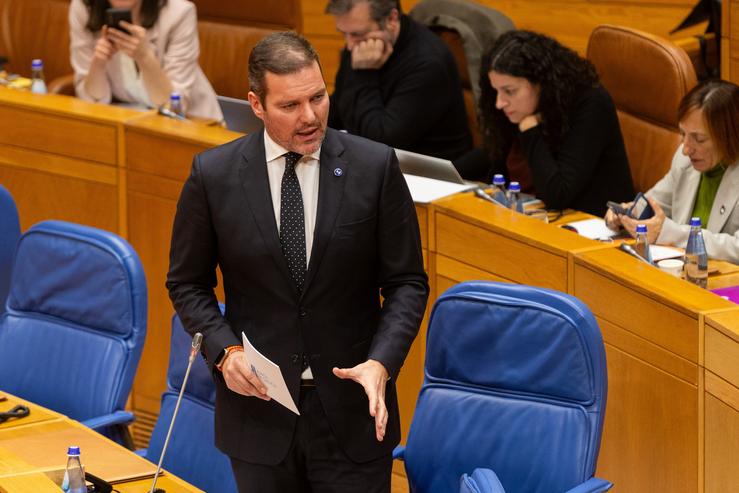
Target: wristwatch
[222,357]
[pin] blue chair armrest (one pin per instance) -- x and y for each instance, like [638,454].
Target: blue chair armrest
[116,418]
[592,485]
[141,452]
[481,480]
[399,452]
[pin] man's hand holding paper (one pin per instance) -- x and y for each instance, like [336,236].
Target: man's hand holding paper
[240,378]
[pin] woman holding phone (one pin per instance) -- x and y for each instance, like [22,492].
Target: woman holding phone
[142,61]
[549,124]
[703,180]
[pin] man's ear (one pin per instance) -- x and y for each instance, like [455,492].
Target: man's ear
[394,17]
[256,104]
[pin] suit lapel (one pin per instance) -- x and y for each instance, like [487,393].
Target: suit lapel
[255,181]
[726,198]
[688,188]
[332,177]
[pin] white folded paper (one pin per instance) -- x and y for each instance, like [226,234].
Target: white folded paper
[270,375]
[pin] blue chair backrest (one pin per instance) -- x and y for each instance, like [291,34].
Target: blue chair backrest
[10,230]
[76,322]
[515,381]
[191,454]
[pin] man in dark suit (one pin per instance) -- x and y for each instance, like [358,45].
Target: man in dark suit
[308,226]
[398,82]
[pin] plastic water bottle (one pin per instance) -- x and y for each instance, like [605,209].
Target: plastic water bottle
[514,190]
[642,243]
[38,84]
[499,191]
[696,258]
[74,476]
[175,104]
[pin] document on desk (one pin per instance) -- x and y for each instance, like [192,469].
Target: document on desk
[424,190]
[270,375]
[594,229]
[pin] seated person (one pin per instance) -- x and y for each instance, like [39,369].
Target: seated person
[397,81]
[548,124]
[703,180]
[158,57]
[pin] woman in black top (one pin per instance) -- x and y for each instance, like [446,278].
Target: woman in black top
[549,124]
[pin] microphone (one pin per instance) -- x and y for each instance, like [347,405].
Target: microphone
[196,341]
[485,196]
[627,248]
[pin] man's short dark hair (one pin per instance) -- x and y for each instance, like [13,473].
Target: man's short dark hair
[380,10]
[280,53]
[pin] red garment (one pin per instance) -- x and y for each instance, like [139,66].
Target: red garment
[518,168]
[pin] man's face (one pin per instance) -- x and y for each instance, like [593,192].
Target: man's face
[295,109]
[357,25]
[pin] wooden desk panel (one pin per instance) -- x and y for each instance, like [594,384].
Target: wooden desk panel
[722,446]
[43,447]
[59,158]
[504,244]
[28,483]
[651,326]
[40,195]
[37,413]
[644,300]
[79,139]
[650,435]
[721,401]
[159,154]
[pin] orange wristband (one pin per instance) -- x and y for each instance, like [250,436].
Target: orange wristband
[226,352]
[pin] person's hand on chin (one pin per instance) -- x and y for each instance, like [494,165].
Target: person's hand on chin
[373,52]
[528,122]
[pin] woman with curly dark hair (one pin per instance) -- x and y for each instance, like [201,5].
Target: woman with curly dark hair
[549,124]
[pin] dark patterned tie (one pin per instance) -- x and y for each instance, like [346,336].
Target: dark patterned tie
[292,221]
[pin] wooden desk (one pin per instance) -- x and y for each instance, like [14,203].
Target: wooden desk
[159,153]
[721,401]
[62,158]
[666,405]
[37,413]
[34,454]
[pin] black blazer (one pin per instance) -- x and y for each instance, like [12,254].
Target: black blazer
[366,243]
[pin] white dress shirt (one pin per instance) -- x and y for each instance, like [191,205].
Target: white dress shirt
[307,171]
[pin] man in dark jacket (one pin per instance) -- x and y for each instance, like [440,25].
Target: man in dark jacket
[309,227]
[397,82]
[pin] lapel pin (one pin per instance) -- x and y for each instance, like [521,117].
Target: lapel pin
[722,209]
[338,171]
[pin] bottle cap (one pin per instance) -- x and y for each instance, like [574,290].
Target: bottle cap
[37,63]
[514,186]
[498,180]
[695,221]
[73,450]
[641,228]
[175,96]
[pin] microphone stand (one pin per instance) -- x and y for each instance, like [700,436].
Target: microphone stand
[196,340]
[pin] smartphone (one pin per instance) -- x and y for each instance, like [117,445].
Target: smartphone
[617,208]
[641,209]
[115,16]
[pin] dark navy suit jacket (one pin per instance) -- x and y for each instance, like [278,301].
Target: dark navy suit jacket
[366,244]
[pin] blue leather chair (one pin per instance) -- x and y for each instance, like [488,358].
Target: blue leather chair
[76,323]
[191,453]
[515,383]
[10,230]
